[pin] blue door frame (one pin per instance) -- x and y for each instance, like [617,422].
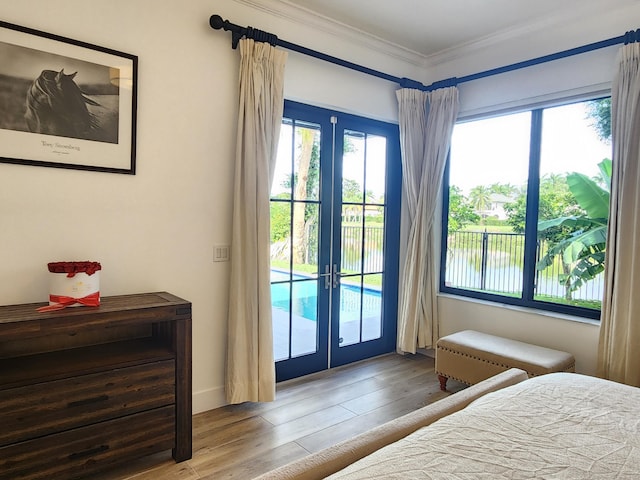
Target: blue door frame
[330,352]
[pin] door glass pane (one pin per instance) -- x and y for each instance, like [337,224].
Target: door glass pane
[376,171]
[374,240]
[575,177]
[304,238]
[281,186]
[350,310]
[360,309]
[307,158]
[487,176]
[304,324]
[280,235]
[351,246]
[295,209]
[371,307]
[353,166]
[280,314]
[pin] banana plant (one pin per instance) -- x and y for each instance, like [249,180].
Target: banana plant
[582,252]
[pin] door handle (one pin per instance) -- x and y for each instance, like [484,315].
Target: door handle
[331,276]
[336,276]
[327,276]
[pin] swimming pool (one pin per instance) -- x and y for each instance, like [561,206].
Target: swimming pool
[304,294]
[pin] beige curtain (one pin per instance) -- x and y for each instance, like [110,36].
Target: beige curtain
[250,373]
[619,348]
[426,123]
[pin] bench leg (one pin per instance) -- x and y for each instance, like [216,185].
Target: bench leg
[443,382]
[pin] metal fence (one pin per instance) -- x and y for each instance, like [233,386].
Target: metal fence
[493,262]
[362,254]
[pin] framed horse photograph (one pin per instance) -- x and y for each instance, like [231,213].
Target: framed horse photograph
[66,103]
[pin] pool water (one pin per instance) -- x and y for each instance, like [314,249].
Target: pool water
[305,298]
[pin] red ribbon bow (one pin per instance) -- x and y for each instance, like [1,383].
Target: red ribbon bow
[91,300]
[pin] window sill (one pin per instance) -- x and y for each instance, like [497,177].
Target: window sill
[521,309]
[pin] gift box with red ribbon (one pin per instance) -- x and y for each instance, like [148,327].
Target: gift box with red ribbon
[73,284]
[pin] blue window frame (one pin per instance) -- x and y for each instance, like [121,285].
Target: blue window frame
[525,207]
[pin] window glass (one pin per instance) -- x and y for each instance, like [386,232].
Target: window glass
[487,170]
[575,175]
[526,204]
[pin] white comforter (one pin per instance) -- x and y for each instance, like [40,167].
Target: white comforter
[560,426]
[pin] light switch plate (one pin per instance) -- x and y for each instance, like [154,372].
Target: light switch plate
[221,253]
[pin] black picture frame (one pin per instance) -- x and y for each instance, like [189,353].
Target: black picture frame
[66,103]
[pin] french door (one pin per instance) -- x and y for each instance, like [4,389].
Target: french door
[335,224]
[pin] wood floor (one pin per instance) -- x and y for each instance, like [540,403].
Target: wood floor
[310,413]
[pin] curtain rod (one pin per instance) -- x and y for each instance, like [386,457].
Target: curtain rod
[237,32]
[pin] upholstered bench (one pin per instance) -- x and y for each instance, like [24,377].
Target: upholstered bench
[470,357]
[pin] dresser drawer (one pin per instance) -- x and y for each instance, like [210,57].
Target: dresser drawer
[85,450]
[50,407]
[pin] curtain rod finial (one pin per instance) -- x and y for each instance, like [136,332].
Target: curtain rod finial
[216,22]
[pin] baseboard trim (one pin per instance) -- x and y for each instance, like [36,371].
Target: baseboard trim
[208,399]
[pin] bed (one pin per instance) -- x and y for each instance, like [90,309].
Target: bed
[560,425]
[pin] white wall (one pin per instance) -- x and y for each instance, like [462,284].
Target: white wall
[575,75]
[156,230]
[153,231]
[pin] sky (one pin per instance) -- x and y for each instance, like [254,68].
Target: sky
[496,150]
[483,152]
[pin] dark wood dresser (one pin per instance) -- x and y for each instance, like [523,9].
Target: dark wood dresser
[84,388]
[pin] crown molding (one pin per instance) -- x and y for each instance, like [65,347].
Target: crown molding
[558,20]
[289,11]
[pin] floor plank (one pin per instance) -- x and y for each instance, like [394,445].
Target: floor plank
[309,414]
[352,427]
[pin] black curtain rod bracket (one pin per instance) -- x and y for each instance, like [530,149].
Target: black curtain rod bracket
[237,32]
[632,36]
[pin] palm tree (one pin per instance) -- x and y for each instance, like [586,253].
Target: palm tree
[480,198]
[503,189]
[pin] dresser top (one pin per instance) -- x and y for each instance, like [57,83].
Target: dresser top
[148,308]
